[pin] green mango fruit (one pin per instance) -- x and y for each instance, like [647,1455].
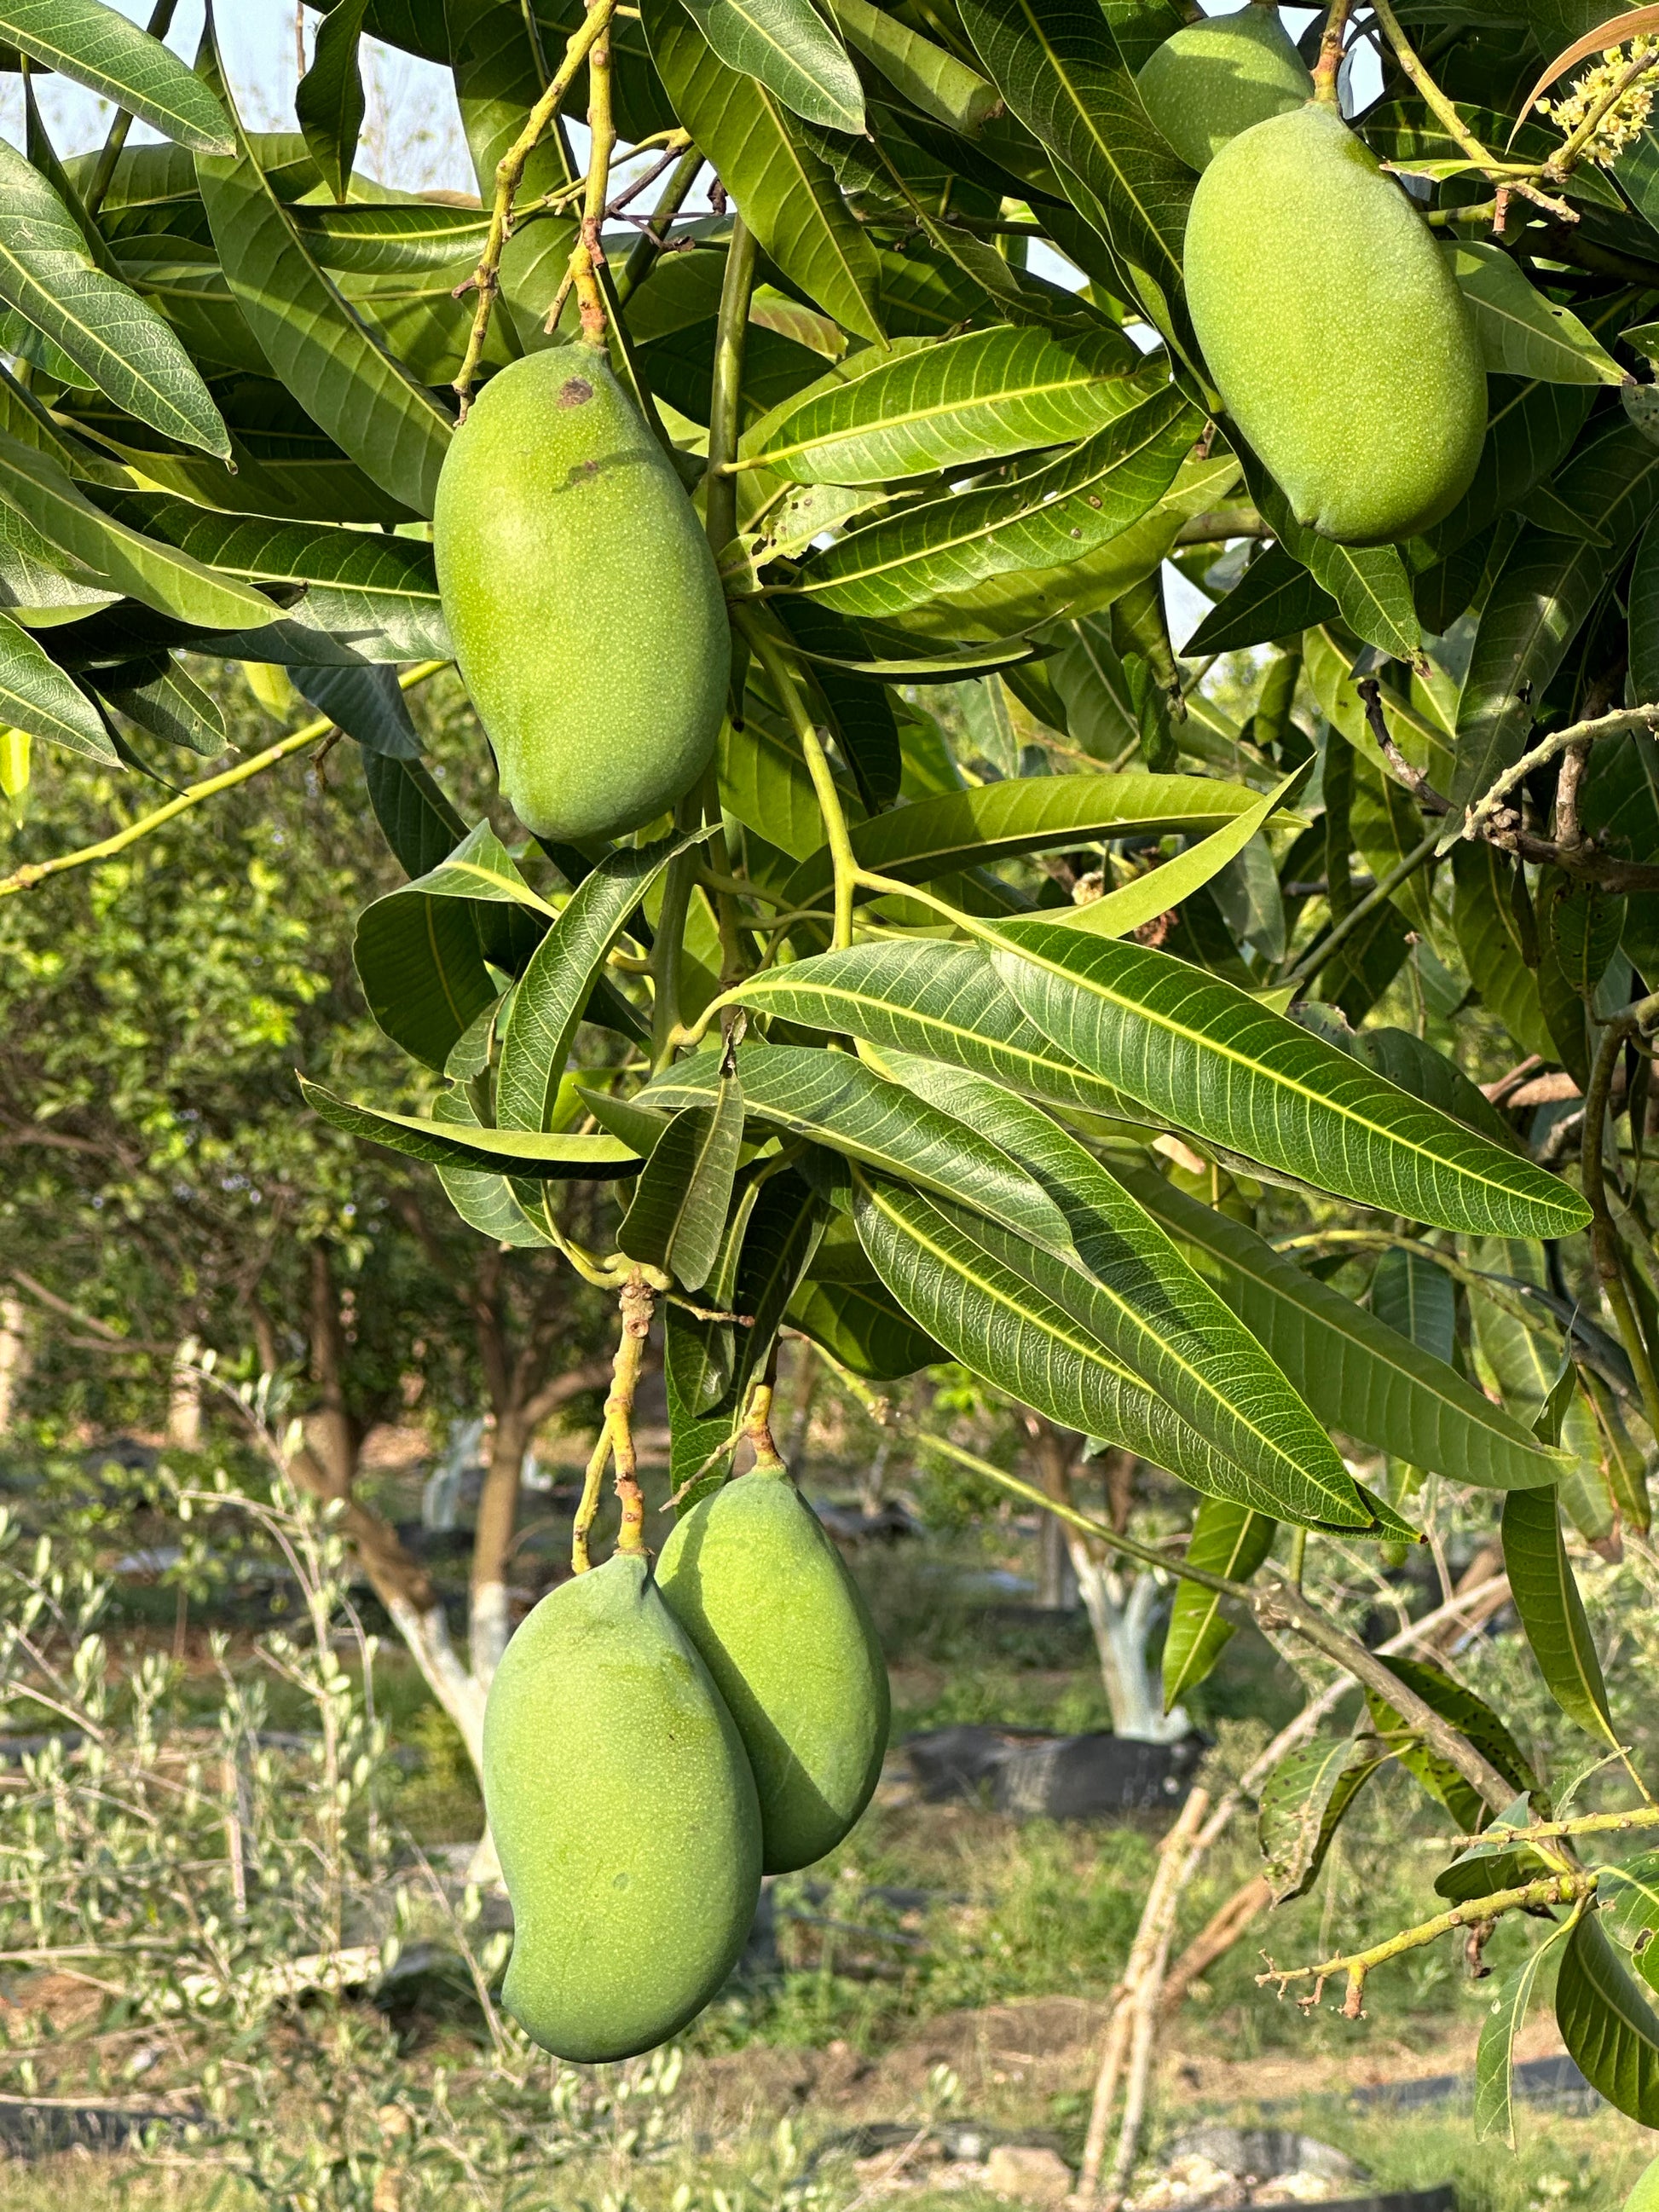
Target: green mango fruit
[1212,79]
[624,1816]
[582,596]
[760,1590]
[1334,330]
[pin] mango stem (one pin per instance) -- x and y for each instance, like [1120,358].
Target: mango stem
[1329,64]
[509,174]
[638,1303]
[835,831]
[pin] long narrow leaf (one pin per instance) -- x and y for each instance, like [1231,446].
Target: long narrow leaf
[98,47]
[1214,1060]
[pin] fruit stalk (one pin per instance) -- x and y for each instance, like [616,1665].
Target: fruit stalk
[509,173]
[587,257]
[637,1305]
[1507,175]
[1329,64]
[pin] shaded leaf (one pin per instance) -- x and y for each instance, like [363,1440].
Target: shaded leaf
[679,1203]
[329,101]
[535,1154]
[367,703]
[1227,1539]
[1274,597]
[1607,2025]
[1546,1594]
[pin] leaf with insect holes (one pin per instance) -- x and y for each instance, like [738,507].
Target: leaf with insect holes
[1302,1803]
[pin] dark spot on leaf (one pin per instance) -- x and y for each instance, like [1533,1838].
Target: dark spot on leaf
[619,1882]
[1077,533]
[575,392]
[1094,499]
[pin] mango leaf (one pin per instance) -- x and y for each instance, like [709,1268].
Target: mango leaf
[36,695]
[1411,1294]
[1360,1377]
[554,987]
[1302,1803]
[1035,1326]
[377,594]
[861,710]
[1156,1315]
[1274,597]
[1058,514]
[391,238]
[1505,2015]
[163,699]
[34,486]
[417,821]
[315,341]
[1530,428]
[989,392]
[927,75]
[1368,583]
[863,1327]
[367,703]
[1117,913]
[330,98]
[766,783]
[533,1154]
[787,44]
[1056,63]
[118,340]
[1539,600]
[1546,1594]
[1026,814]
[1226,1539]
[1608,2024]
[1212,1059]
[1489,916]
[1471,1716]
[1521,333]
[94,45]
[422,970]
[944,1001]
[680,1201]
[486,1202]
[835,1100]
[788,196]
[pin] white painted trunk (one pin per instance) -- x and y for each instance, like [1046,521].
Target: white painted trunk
[1122,1612]
[14,1358]
[488,1630]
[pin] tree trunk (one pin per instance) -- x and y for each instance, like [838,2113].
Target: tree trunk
[488,1625]
[184,1399]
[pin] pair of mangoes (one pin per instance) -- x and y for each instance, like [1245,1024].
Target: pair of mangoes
[654,1743]
[582,599]
[1329,316]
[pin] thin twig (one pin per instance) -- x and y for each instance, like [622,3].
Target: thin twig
[1617,725]
[36,871]
[509,174]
